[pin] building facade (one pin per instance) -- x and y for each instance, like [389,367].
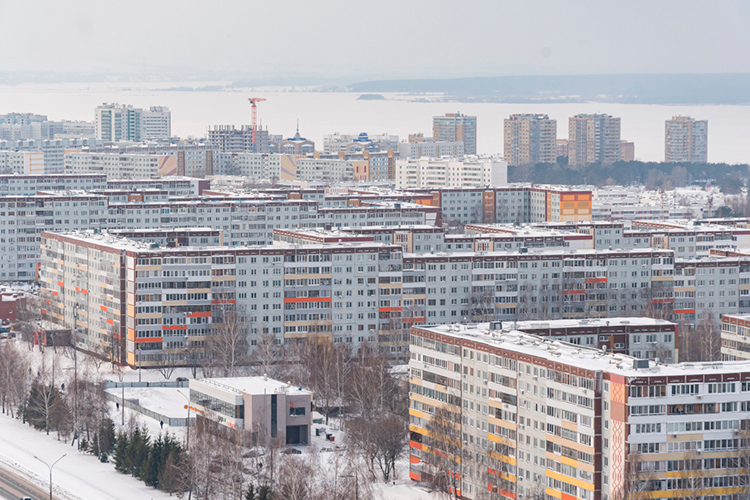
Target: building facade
[530,139]
[455,127]
[157,123]
[268,409]
[521,415]
[118,122]
[228,139]
[471,172]
[593,139]
[685,140]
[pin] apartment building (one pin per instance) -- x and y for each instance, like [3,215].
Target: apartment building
[511,237]
[195,159]
[157,123]
[175,186]
[414,238]
[685,140]
[735,345]
[53,150]
[24,218]
[22,162]
[19,185]
[450,173]
[529,139]
[593,139]
[536,417]
[535,283]
[130,165]
[430,149]
[627,151]
[351,143]
[118,122]
[455,127]
[228,139]
[242,221]
[639,337]
[709,288]
[512,204]
[348,294]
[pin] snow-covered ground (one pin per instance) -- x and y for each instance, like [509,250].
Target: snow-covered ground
[166,401]
[79,476]
[83,477]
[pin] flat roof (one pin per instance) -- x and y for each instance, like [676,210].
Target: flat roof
[593,322]
[580,356]
[118,242]
[255,385]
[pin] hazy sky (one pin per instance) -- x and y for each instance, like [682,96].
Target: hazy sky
[355,40]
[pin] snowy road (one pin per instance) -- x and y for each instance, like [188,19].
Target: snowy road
[13,487]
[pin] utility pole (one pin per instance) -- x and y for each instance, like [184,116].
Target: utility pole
[75,372]
[187,437]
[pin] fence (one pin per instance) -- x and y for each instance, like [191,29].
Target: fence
[172,422]
[110,384]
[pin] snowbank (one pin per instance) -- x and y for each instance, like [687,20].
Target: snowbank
[78,476]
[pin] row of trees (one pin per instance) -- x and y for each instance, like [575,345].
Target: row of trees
[654,175]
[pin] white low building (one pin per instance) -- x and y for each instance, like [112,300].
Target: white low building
[466,172]
[270,409]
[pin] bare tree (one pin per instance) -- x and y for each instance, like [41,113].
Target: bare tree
[443,462]
[381,440]
[482,303]
[266,355]
[15,377]
[167,367]
[228,343]
[708,337]
[371,385]
[325,365]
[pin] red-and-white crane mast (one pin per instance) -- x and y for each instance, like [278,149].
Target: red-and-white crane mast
[253,102]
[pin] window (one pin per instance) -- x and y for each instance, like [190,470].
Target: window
[297,412]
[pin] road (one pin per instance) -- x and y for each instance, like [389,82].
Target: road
[13,487]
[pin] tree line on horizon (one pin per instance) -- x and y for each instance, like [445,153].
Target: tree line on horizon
[653,175]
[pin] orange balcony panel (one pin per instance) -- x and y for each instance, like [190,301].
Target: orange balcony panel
[684,311]
[308,299]
[390,309]
[145,340]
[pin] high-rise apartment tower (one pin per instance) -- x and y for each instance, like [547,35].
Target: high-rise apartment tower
[456,127]
[685,140]
[593,139]
[530,139]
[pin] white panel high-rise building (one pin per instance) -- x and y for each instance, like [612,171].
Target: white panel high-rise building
[120,122]
[157,123]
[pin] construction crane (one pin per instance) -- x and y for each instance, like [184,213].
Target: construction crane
[253,102]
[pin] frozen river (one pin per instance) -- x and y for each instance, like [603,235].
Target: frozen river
[322,113]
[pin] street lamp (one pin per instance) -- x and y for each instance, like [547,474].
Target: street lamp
[75,371]
[187,434]
[50,471]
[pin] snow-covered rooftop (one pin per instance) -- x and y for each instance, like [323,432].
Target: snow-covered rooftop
[254,385]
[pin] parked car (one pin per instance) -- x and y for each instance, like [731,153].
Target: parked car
[181,379]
